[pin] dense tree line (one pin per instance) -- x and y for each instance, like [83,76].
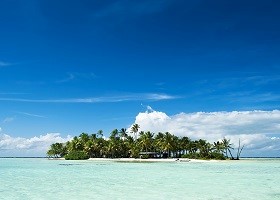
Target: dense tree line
[120,144]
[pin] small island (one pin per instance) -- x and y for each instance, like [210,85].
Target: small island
[147,146]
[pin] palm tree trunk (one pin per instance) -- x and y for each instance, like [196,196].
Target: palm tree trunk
[231,154]
[239,151]
[226,154]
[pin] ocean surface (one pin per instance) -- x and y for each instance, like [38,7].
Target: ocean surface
[39,178]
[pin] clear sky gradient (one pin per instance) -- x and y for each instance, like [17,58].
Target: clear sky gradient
[79,66]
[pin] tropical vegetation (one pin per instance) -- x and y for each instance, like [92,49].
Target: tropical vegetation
[121,144]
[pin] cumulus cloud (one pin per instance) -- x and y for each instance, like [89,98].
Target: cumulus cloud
[35,146]
[258,130]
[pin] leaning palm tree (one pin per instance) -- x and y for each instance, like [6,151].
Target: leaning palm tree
[56,150]
[227,146]
[134,130]
[239,150]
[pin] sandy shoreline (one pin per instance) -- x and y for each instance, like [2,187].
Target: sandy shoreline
[150,160]
[143,160]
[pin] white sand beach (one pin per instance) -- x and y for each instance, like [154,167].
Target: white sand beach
[150,160]
[147,160]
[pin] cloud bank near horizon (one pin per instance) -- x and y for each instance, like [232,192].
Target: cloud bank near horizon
[258,130]
[35,146]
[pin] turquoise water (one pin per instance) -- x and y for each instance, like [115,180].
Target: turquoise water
[56,179]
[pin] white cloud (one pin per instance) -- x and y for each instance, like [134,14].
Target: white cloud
[104,99]
[31,114]
[157,97]
[35,146]
[258,130]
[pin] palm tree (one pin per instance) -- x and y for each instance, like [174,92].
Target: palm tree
[218,147]
[93,136]
[114,145]
[84,137]
[114,134]
[129,143]
[168,142]
[91,148]
[99,133]
[141,133]
[112,148]
[239,150]
[146,140]
[185,144]
[56,150]
[227,146]
[75,145]
[158,142]
[123,133]
[103,147]
[119,144]
[134,130]
[205,148]
[134,150]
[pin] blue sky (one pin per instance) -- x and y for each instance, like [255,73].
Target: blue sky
[79,66]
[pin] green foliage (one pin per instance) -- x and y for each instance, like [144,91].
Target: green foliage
[212,155]
[76,155]
[134,151]
[144,156]
[217,156]
[56,150]
[134,130]
[191,156]
[122,145]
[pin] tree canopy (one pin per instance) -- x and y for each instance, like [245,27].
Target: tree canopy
[122,145]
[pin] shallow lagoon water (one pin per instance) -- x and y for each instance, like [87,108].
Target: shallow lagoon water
[39,178]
